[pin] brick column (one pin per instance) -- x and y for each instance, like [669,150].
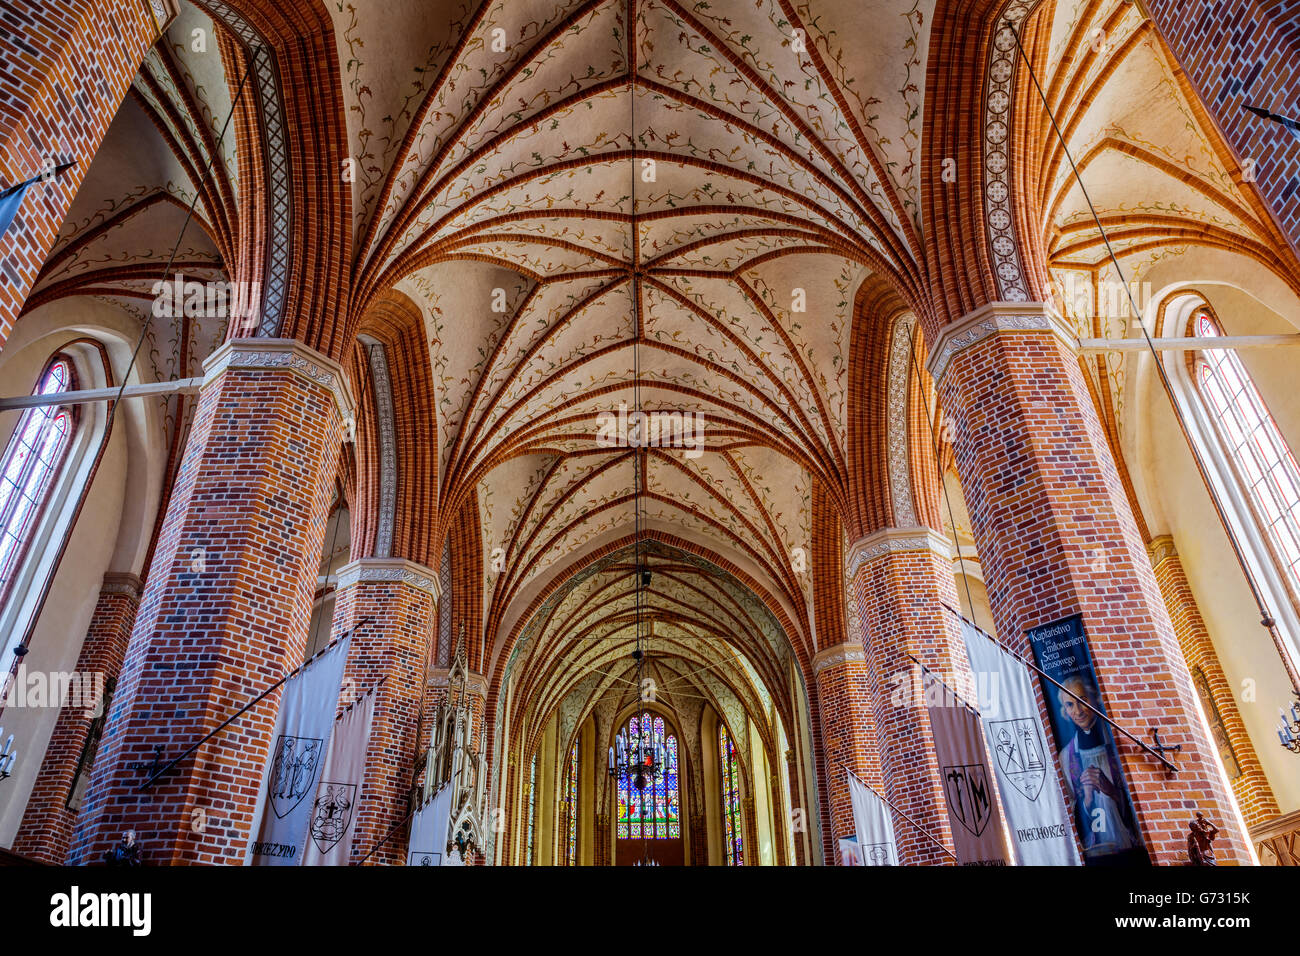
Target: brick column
[780,821]
[797,837]
[748,819]
[226,609]
[848,729]
[402,597]
[46,830]
[64,71]
[602,840]
[1254,795]
[699,839]
[903,578]
[1056,537]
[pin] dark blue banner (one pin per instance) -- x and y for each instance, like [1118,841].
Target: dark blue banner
[1090,764]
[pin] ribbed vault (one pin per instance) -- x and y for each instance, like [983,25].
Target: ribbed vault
[739,172]
[705,636]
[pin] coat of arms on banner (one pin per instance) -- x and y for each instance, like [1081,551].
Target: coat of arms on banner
[294,772]
[1020,754]
[332,814]
[969,795]
[876,854]
[423,858]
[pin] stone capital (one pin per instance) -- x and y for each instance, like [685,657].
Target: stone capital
[991,319]
[121,582]
[895,541]
[390,571]
[839,654]
[1160,549]
[288,355]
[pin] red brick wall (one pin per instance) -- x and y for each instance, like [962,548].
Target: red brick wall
[901,595]
[46,830]
[1245,51]
[1254,795]
[848,732]
[252,493]
[64,70]
[393,648]
[1056,537]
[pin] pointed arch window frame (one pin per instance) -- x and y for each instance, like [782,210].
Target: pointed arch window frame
[20,474]
[667,783]
[1263,464]
[23,597]
[729,785]
[1175,317]
[571,796]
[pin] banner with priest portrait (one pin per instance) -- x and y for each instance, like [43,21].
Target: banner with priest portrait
[1089,759]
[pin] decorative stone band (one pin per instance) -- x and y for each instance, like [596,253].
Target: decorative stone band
[895,541]
[383,386]
[287,355]
[991,319]
[476,683]
[390,571]
[116,582]
[1161,549]
[163,12]
[839,654]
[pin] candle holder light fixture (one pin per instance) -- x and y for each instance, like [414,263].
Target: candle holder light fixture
[643,758]
[7,756]
[1288,731]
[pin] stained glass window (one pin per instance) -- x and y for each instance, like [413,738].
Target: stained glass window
[734,842]
[532,812]
[653,812]
[1263,461]
[29,467]
[571,808]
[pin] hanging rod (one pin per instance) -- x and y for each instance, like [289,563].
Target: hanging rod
[184,386]
[1190,344]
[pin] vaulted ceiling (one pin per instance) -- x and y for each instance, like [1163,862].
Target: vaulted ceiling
[585,196]
[1136,133]
[541,174]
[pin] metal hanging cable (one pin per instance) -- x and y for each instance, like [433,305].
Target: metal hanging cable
[156,773]
[1172,767]
[889,803]
[1266,618]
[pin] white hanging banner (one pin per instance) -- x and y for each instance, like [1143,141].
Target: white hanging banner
[874,826]
[968,784]
[430,826]
[333,816]
[1031,793]
[302,731]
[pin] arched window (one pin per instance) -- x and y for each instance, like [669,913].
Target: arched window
[1263,463]
[532,811]
[652,813]
[734,842]
[571,809]
[30,467]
